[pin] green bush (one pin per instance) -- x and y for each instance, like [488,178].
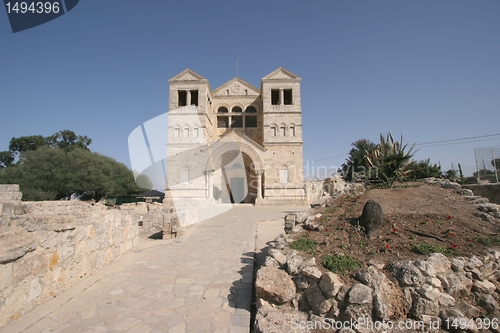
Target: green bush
[339,263]
[424,248]
[488,240]
[305,244]
[424,169]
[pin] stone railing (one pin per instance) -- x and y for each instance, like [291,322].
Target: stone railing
[47,247]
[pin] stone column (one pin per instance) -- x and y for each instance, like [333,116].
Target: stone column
[188,97]
[259,183]
[282,96]
[210,174]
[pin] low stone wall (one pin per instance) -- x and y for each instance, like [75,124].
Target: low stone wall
[47,247]
[490,191]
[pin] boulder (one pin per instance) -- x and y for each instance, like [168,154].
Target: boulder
[330,284]
[360,294]
[440,263]
[278,256]
[269,319]
[451,185]
[465,192]
[293,262]
[373,219]
[407,274]
[483,286]
[389,302]
[274,285]
[318,303]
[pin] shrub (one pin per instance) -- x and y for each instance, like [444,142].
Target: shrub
[339,263]
[305,244]
[488,240]
[424,248]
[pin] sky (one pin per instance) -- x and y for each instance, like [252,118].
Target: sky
[427,70]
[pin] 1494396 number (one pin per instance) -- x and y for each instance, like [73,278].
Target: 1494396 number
[33,7]
[478,323]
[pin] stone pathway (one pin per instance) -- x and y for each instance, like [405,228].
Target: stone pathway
[200,282]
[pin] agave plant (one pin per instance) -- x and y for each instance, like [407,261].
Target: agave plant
[391,159]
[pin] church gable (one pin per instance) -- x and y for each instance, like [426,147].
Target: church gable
[236,87]
[281,74]
[235,136]
[187,75]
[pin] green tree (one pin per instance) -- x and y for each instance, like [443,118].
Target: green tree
[26,143]
[424,169]
[54,173]
[68,140]
[6,159]
[356,163]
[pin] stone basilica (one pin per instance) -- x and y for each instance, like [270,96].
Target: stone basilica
[237,143]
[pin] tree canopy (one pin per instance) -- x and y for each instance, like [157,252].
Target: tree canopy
[61,166]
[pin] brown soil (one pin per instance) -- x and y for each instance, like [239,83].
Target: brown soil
[418,213]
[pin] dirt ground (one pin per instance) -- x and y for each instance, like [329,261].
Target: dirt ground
[418,214]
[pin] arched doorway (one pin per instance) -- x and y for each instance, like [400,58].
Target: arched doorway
[235,174]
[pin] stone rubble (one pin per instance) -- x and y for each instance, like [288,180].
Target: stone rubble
[432,290]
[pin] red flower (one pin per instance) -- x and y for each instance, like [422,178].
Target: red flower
[471,241]
[309,231]
[387,246]
[450,234]
[449,217]
[426,221]
[326,229]
[394,230]
[454,246]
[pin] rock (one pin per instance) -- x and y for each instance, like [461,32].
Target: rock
[311,272]
[480,200]
[450,315]
[483,286]
[488,302]
[271,262]
[429,292]
[319,202]
[468,309]
[451,185]
[465,192]
[389,302]
[269,319]
[373,219]
[472,262]
[360,294]
[318,303]
[457,264]
[425,267]
[274,285]
[278,256]
[15,242]
[454,283]
[485,217]
[422,306]
[311,226]
[445,300]
[407,274]
[440,263]
[330,284]
[311,262]
[334,310]
[293,262]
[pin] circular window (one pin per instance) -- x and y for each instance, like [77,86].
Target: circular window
[251,109]
[237,109]
[222,109]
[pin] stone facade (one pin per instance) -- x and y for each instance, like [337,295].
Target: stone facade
[237,143]
[47,247]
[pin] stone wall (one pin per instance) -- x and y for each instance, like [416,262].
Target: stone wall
[490,191]
[47,247]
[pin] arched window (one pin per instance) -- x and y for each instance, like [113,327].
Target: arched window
[185,175]
[237,166]
[222,109]
[251,109]
[284,175]
[237,109]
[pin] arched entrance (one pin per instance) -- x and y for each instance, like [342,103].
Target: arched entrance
[234,174]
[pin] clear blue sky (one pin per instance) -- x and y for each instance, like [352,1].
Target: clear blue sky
[429,70]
